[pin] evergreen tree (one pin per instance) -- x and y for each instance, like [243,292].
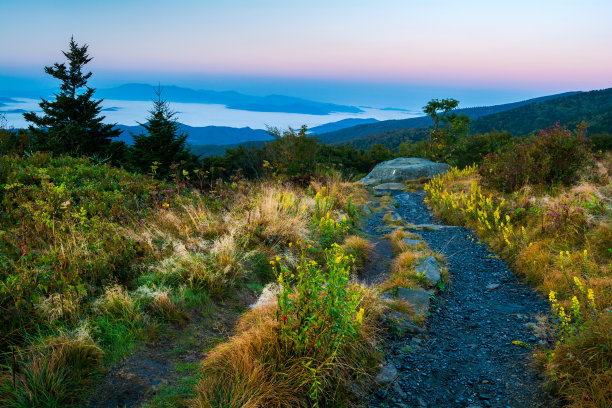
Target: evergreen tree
[162,143]
[71,123]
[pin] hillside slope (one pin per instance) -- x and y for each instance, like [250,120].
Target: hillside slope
[594,107]
[386,125]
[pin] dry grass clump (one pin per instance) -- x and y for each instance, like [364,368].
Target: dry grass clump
[279,215]
[397,240]
[254,370]
[396,237]
[118,303]
[52,374]
[403,271]
[311,338]
[57,306]
[341,190]
[581,367]
[159,302]
[357,247]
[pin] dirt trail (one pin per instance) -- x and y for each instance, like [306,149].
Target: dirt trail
[467,357]
[136,380]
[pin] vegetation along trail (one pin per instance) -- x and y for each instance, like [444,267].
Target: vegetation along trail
[477,351]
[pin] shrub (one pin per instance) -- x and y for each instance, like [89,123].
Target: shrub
[555,155]
[303,351]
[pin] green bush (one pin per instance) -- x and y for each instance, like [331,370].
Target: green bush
[553,156]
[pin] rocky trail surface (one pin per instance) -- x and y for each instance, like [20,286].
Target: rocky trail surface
[478,345]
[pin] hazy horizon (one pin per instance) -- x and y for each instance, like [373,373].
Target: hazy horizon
[386,54]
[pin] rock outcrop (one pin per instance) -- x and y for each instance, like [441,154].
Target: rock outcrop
[402,169]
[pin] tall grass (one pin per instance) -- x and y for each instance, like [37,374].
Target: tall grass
[124,254]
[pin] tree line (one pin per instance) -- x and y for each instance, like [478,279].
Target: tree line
[72,124]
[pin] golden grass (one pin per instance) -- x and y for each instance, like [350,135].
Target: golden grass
[357,247]
[253,370]
[117,302]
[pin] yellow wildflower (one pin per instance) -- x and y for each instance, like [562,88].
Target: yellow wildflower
[578,284]
[359,317]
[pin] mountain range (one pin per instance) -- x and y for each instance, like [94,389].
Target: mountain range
[524,118]
[387,125]
[519,118]
[231,99]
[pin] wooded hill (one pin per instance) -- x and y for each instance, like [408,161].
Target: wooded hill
[594,107]
[360,131]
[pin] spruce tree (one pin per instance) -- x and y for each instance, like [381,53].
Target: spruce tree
[162,143]
[71,123]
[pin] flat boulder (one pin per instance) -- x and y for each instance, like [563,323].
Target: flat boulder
[430,268]
[388,188]
[402,169]
[419,299]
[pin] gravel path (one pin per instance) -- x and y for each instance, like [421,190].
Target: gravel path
[467,357]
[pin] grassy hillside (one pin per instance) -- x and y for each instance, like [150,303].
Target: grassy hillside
[95,261]
[594,107]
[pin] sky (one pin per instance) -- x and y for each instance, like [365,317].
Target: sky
[363,52]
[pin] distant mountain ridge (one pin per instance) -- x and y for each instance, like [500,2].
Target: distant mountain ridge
[232,99]
[341,124]
[360,131]
[205,135]
[230,136]
[593,107]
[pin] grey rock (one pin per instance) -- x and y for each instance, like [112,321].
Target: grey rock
[398,391]
[419,299]
[388,188]
[387,375]
[412,242]
[395,217]
[402,324]
[365,209]
[429,267]
[426,227]
[493,286]
[401,169]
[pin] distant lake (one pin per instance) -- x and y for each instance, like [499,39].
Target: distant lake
[196,114]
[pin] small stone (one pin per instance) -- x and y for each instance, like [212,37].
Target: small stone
[430,268]
[389,187]
[412,242]
[419,299]
[402,324]
[387,375]
[493,286]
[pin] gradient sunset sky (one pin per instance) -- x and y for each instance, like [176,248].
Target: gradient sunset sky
[337,50]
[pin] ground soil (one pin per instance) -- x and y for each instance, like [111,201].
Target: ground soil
[134,381]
